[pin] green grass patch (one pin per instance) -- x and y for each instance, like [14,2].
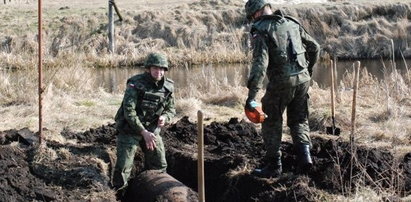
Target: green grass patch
[86,103]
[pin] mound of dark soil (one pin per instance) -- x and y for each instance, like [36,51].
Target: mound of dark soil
[82,171]
[18,183]
[232,149]
[103,135]
[54,172]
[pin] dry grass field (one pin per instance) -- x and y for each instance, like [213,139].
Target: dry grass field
[192,32]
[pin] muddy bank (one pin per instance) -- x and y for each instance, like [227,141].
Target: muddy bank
[55,172]
[235,147]
[212,32]
[82,171]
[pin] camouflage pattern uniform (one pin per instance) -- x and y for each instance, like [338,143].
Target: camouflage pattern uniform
[145,100]
[286,53]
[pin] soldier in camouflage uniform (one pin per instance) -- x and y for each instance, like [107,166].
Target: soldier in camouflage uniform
[286,53]
[147,105]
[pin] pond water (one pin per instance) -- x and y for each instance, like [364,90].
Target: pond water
[114,79]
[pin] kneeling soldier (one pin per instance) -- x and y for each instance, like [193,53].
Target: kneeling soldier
[147,105]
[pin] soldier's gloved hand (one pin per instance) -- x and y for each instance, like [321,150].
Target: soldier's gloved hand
[150,139]
[250,104]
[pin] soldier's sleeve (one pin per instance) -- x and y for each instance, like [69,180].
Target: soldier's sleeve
[169,108]
[312,47]
[129,106]
[259,62]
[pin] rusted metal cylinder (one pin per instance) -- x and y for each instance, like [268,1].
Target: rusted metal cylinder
[153,185]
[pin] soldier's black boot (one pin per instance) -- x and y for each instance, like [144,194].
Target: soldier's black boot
[305,162]
[272,169]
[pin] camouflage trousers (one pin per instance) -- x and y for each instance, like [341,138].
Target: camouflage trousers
[274,103]
[127,145]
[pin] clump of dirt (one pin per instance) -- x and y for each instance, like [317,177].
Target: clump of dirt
[53,172]
[232,149]
[406,167]
[104,135]
[17,183]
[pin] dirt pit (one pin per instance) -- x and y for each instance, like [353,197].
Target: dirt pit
[81,169]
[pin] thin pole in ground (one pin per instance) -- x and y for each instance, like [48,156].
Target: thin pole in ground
[332,93]
[354,103]
[200,157]
[333,130]
[332,98]
[111,40]
[337,92]
[111,44]
[40,72]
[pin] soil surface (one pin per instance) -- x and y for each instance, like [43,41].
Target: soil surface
[82,170]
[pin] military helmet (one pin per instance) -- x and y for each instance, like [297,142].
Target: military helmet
[156,59]
[253,6]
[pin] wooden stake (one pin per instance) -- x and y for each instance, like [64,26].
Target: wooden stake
[110,27]
[333,130]
[40,72]
[337,92]
[332,91]
[354,99]
[354,103]
[200,157]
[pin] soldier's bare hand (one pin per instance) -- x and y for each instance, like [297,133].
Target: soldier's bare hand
[150,139]
[161,121]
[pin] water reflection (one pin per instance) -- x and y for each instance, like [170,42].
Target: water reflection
[374,67]
[113,80]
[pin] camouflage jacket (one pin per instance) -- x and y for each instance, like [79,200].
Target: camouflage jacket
[143,103]
[283,50]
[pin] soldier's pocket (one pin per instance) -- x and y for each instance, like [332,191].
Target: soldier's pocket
[130,139]
[302,60]
[270,104]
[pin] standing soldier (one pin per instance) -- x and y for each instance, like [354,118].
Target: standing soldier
[147,105]
[284,51]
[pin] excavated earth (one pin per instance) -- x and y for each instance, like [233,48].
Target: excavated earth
[80,169]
